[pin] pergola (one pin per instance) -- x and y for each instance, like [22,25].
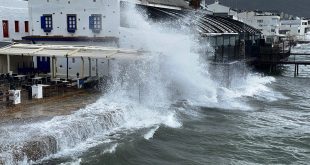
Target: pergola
[69,51]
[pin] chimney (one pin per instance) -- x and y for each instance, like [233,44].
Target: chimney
[195,4]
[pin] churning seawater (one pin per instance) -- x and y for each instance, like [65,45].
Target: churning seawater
[166,108]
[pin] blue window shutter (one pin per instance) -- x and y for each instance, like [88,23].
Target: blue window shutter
[91,22]
[43,25]
[68,27]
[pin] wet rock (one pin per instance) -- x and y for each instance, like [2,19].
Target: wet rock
[36,149]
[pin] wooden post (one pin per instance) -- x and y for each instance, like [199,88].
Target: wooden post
[9,64]
[97,74]
[67,67]
[53,67]
[297,70]
[89,60]
[82,68]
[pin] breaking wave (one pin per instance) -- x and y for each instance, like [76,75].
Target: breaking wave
[140,95]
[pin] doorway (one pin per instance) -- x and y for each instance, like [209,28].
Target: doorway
[5,25]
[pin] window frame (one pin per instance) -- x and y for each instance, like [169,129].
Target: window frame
[95,22]
[26,23]
[47,22]
[260,21]
[71,23]
[16,23]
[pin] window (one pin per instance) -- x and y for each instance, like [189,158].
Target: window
[260,21]
[26,26]
[5,26]
[95,22]
[16,26]
[47,23]
[304,23]
[71,23]
[273,30]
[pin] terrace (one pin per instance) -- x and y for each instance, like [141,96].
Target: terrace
[30,79]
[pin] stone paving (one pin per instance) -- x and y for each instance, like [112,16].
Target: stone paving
[34,110]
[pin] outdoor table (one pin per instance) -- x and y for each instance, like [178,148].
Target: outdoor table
[56,80]
[46,78]
[36,79]
[20,76]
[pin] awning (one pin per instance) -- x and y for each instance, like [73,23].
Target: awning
[96,52]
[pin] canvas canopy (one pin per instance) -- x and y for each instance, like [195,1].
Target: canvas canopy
[96,52]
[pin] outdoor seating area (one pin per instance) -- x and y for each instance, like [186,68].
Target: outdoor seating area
[39,86]
[32,70]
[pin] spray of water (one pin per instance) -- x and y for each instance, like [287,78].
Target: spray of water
[140,95]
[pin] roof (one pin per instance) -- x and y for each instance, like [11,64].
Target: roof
[176,3]
[70,51]
[164,3]
[204,23]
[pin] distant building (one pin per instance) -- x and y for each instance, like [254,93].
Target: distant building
[268,23]
[297,29]
[78,20]
[14,20]
[220,10]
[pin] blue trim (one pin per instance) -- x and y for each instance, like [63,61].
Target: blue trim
[95,23]
[73,21]
[91,22]
[43,26]
[47,23]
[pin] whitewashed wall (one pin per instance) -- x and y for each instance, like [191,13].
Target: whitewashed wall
[83,9]
[295,27]
[269,22]
[13,10]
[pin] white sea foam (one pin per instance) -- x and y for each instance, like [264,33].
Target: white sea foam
[111,150]
[139,96]
[74,162]
[151,133]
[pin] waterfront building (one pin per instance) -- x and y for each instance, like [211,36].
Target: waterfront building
[14,20]
[78,20]
[296,29]
[220,10]
[267,22]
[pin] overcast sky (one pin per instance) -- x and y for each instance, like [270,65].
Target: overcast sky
[293,7]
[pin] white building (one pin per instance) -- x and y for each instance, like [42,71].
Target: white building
[74,20]
[218,9]
[295,28]
[14,20]
[268,23]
